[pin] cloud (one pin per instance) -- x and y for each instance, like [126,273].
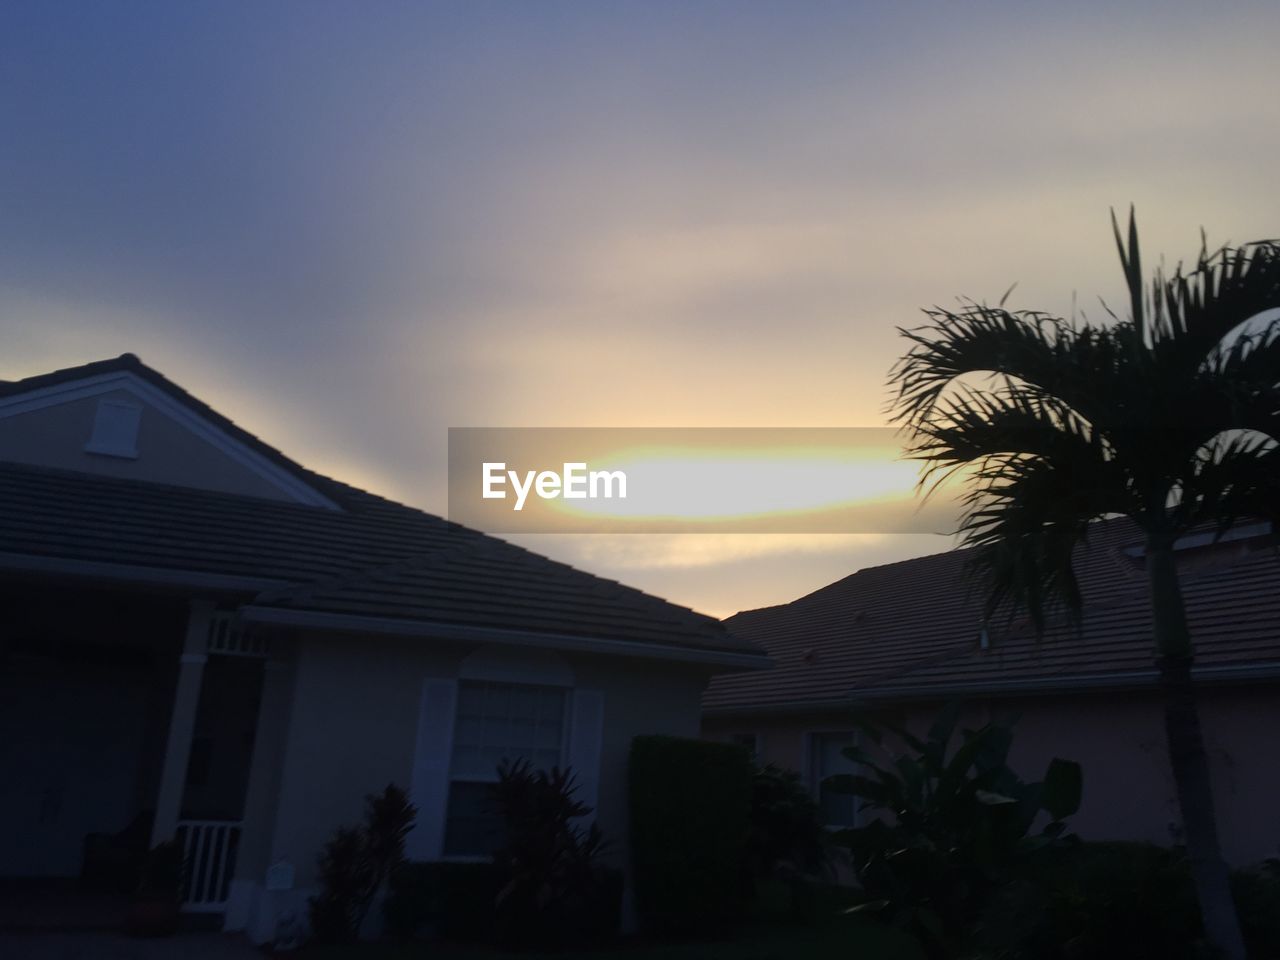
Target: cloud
[352,227]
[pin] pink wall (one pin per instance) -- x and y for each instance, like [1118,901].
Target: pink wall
[1119,740]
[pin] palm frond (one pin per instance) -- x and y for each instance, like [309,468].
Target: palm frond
[1159,417]
[1131,263]
[1197,310]
[1235,478]
[1022,351]
[1040,474]
[1026,523]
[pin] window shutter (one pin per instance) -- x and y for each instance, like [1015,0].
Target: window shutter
[586,738]
[430,788]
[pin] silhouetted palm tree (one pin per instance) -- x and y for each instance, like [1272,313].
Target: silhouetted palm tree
[1169,417]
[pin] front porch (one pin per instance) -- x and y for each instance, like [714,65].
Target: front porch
[130,719]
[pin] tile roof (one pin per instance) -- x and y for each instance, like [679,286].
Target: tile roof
[911,629]
[372,557]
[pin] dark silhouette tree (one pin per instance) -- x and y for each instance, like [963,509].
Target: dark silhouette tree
[1168,417]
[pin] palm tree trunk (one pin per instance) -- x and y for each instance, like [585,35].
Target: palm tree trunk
[1188,758]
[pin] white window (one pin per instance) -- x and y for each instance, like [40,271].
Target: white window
[497,722]
[826,759]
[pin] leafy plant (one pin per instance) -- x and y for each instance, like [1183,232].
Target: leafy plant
[954,824]
[451,901]
[1257,896]
[355,862]
[1167,417]
[549,862]
[786,840]
[1096,901]
[1116,901]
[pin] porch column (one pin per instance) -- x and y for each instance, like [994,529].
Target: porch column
[186,697]
[249,906]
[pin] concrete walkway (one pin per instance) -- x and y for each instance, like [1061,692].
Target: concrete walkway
[110,946]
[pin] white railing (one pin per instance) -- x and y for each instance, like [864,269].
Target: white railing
[228,638]
[209,856]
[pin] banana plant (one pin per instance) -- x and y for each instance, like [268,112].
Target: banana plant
[951,823]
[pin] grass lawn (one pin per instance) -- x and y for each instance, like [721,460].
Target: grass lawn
[834,938]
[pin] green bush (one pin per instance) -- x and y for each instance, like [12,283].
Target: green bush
[1117,901]
[555,891]
[1102,901]
[786,842]
[1257,895]
[544,887]
[690,818]
[957,824]
[450,901]
[354,863]
[457,902]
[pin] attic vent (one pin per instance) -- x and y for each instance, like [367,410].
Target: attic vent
[984,639]
[115,430]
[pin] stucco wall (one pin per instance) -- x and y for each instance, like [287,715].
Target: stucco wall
[352,728]
[1119,741]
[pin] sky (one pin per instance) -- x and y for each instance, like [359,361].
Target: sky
[351,226]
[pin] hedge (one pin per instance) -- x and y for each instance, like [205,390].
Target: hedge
[457,902]
[690,818]
[451,901]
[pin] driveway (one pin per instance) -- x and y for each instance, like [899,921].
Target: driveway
[110,946]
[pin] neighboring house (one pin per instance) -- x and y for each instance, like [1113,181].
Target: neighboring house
[204,640]
[901,640]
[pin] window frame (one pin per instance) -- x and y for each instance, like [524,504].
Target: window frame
[566,721]
[811,774]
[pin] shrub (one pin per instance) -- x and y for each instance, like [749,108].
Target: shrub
[957,828]
[554,891]
[786,841]
[690,817]
[451,901]
[355,862]
[1109,901]
[545,886]
[1116,901]
[1257,896]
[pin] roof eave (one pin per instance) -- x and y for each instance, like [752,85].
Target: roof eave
[125,573]
[727,660]
[1121,680]
[915,693]
[784,708]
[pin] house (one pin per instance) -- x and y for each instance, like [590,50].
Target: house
[899,641]
[204,640]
